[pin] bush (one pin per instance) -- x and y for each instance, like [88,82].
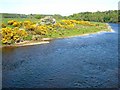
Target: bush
[41,30]
[38,16]
[11,22]
[3,25]
[14,35]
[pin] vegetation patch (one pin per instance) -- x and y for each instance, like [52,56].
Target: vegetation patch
[15,31]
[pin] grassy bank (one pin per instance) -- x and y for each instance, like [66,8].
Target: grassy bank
[17,30]
[80,30]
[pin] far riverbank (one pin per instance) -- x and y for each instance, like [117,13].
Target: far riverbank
[47,40]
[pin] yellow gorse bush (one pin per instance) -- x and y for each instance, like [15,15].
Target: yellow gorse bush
[11,22]
[15,23]
[42,30]
[3,25]
[65,24]
[28,25]
[10,35]
[68,22]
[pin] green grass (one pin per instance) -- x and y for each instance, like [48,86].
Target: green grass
[80,29]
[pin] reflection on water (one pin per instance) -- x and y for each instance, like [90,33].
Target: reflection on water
[85,61]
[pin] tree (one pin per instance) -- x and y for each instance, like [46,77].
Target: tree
[38,16]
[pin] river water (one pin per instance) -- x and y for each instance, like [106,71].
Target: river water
[77,62]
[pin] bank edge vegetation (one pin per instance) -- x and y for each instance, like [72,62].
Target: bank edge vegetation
[17,28]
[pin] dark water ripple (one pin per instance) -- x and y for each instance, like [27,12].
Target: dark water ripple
[88,61]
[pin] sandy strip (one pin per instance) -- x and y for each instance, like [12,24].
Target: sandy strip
[33,43]
[26,43]
[109,27]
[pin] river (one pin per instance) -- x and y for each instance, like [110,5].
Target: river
[77,62]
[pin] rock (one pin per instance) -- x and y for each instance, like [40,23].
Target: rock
[48,20]
[46,39]
[36,37]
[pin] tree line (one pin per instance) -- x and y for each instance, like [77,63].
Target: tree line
[111,16]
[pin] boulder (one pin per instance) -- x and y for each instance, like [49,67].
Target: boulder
[46,39]
[36,37]
[48,20]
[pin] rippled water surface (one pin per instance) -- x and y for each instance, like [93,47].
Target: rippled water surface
[87,61]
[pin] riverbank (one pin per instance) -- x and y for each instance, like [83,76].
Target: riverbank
[47,40]
[109,30]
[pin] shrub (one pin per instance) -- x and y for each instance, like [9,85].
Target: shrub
[11,22]
[28,25]
[3,25]
[14,35]
[41,30]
